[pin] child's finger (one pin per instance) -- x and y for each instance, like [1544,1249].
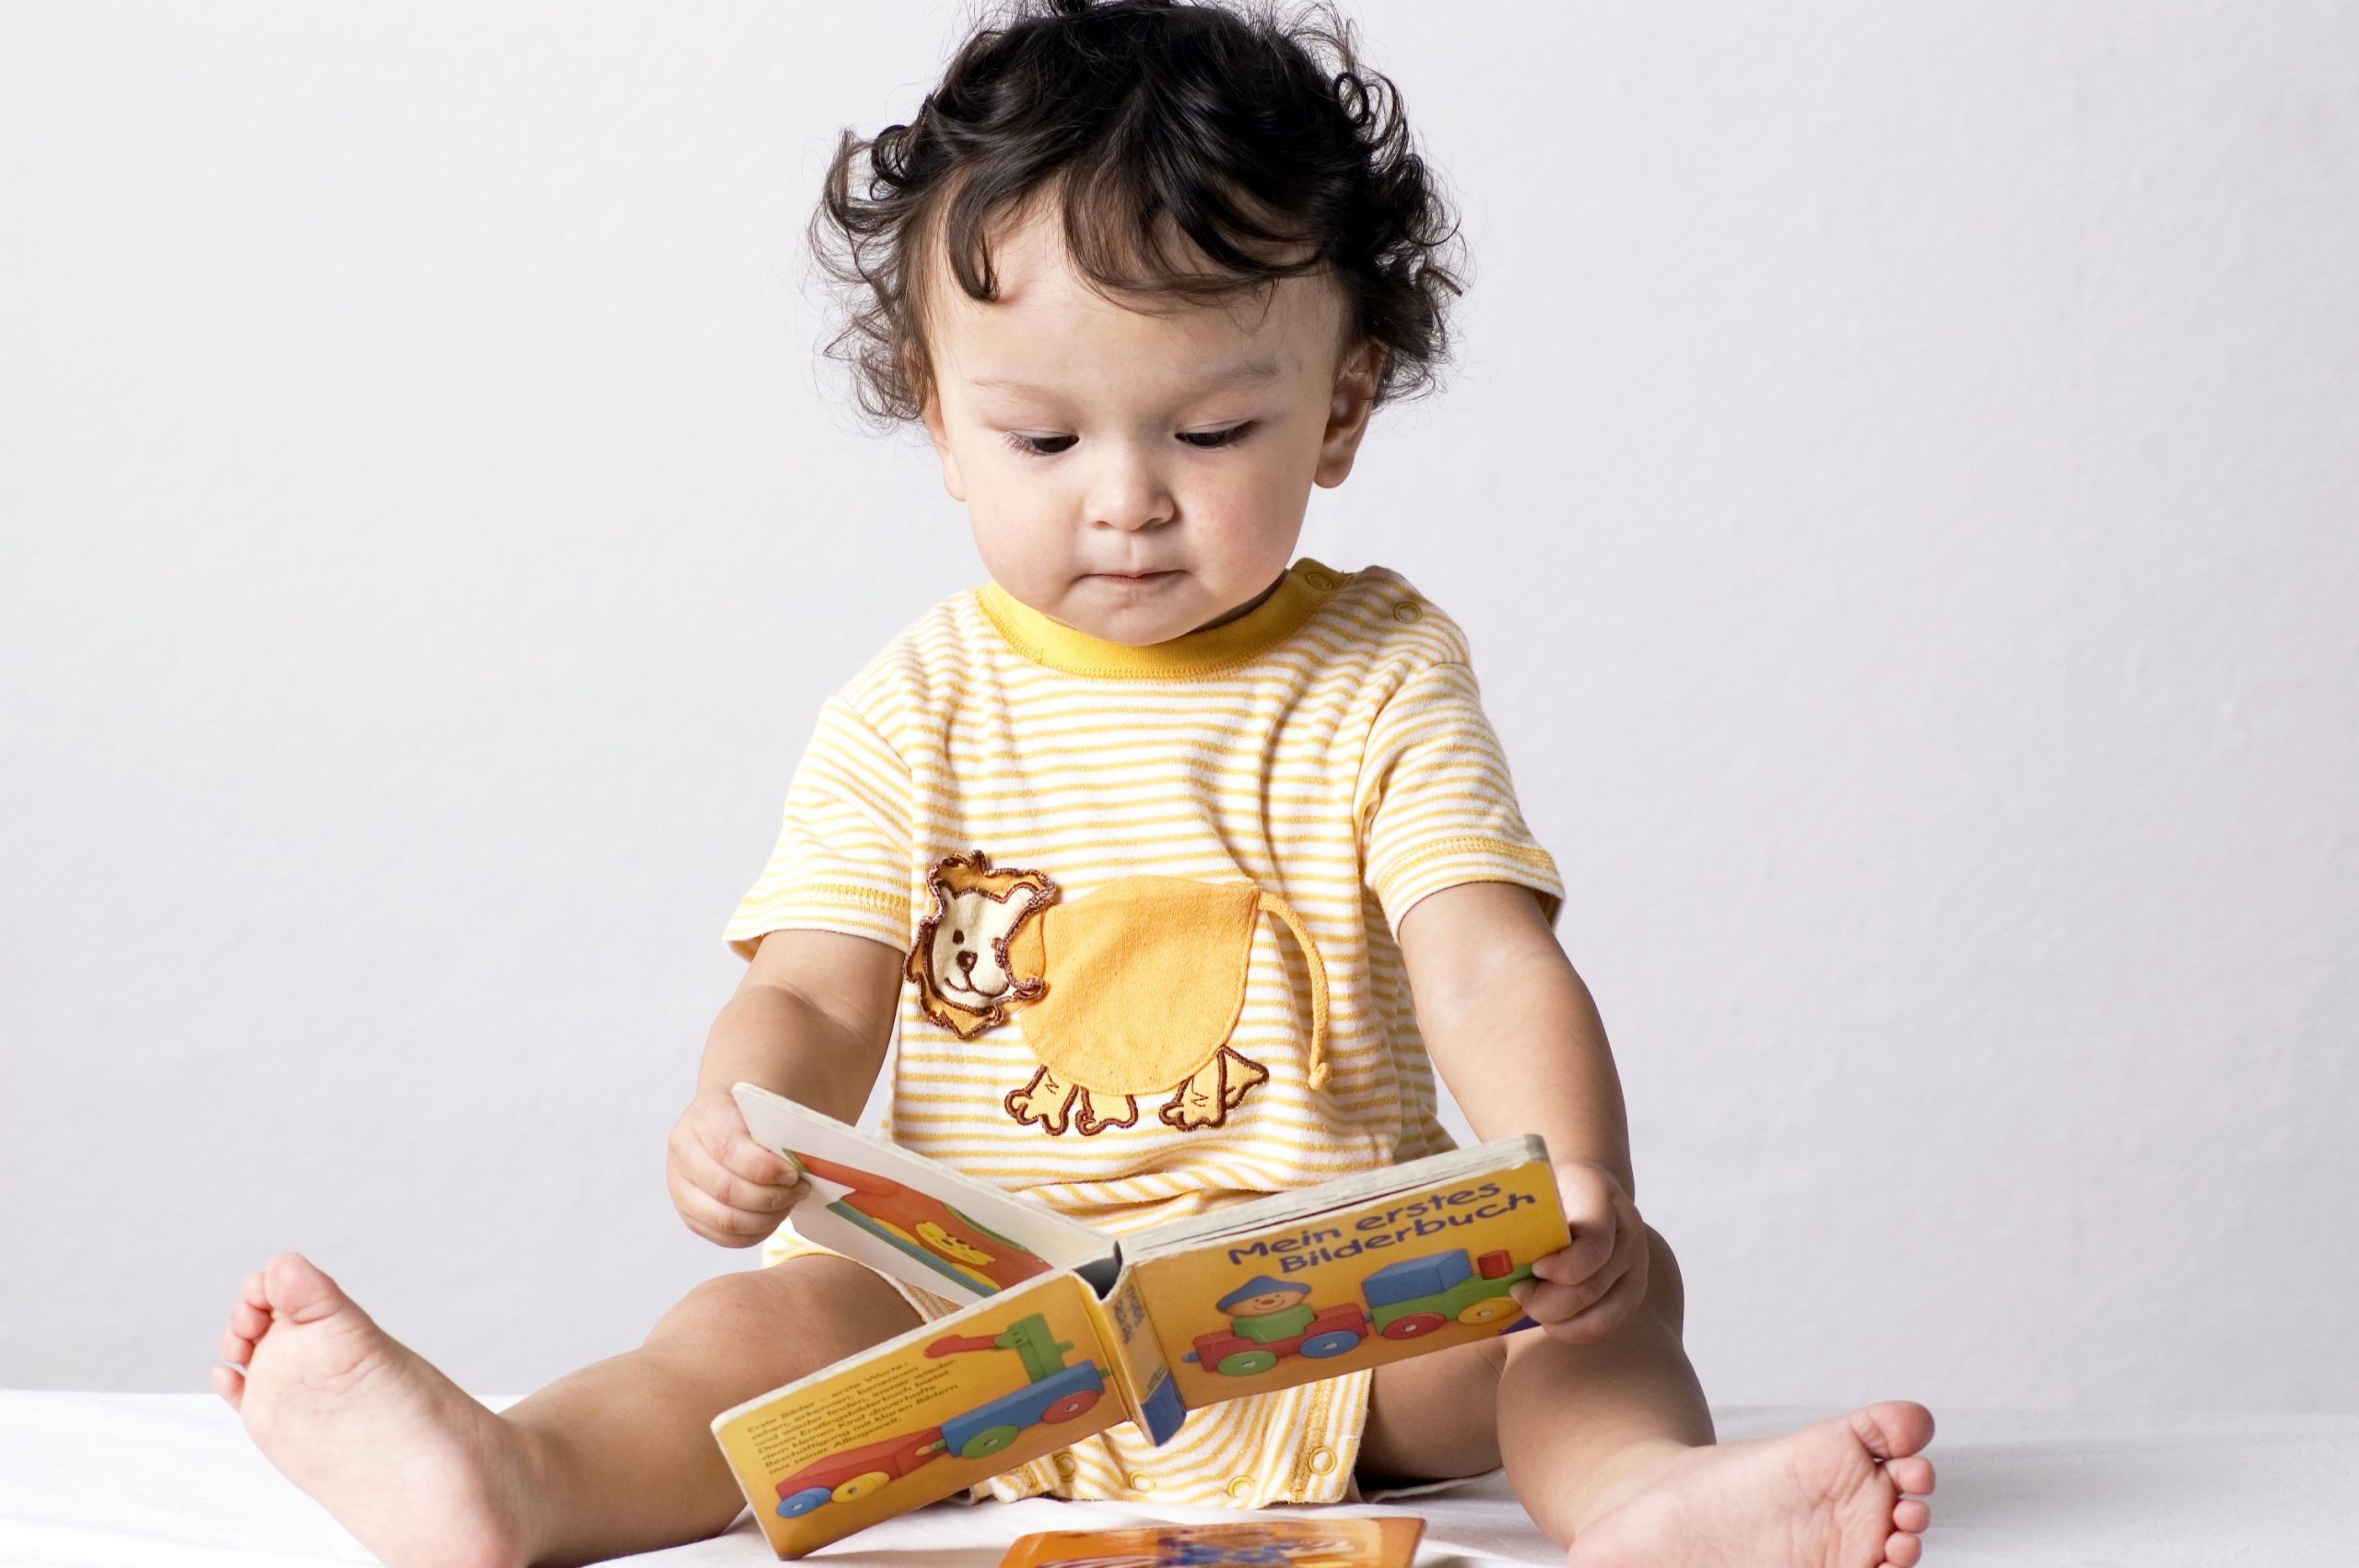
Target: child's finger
[731,1189]
[1593,1285]
[746,1158]
[717,1222]
[1591,1246]
[723,1136]
[1580,1313]
[1605,1315]
[1553,1301]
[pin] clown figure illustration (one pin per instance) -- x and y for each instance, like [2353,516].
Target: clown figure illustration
[1265,1310]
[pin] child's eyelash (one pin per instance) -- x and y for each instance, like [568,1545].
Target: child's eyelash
[1203,440]
[1206,441]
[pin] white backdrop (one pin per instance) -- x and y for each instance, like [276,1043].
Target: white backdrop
[1900,482]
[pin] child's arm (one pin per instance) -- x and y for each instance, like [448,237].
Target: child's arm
[810,1019]
[1515,1035]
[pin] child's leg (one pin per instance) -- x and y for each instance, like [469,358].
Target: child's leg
[1471,1408]
[615,1458]
[1609,1446]
[1434,1418]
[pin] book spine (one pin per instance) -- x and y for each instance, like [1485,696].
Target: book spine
[1147,1386]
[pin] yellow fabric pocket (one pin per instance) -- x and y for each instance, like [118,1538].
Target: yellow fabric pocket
[1147,980]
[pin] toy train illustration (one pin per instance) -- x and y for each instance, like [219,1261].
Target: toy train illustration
[1053,1392]
[1404,1300]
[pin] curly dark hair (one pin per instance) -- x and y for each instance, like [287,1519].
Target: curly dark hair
[1258,138]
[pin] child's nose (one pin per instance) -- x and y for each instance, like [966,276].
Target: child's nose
[1130,493]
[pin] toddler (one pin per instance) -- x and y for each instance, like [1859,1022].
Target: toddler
[1144,269]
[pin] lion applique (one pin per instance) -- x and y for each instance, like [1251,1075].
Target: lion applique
[959,961]
[1131,991]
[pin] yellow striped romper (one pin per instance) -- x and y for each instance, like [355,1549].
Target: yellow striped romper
[993,767]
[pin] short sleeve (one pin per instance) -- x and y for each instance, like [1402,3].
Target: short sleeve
[1435,802]
[842,858]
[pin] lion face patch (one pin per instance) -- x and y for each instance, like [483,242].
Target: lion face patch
[959,961]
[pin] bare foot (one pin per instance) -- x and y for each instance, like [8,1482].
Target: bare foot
[1828,1496]
[423,1475]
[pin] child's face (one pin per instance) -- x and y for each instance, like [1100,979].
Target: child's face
[1087,440]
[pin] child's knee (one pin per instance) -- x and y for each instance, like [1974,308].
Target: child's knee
[1666,1291]
[1435,1417]
[832,1305]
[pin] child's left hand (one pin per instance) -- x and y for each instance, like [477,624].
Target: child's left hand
[1586,1291]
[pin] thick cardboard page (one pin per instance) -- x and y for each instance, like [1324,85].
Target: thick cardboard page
[927,1414]
[1340,1288]
[913,1218]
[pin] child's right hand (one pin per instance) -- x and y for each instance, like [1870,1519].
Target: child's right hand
[729,1189]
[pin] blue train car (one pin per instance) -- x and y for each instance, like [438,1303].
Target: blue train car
[992,1426]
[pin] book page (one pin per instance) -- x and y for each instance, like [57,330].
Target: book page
[1392,1277]
[913,1218]
[950,1403]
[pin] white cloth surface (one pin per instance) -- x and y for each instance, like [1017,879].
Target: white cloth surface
[169,1481]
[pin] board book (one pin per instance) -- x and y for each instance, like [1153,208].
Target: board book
[1065,1332]
[1388,1541]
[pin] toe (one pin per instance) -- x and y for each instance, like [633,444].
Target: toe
[229,1385]
[235,1348]
[1902,1551]
[1912,1474]
[297,1290]
[1911,1515]
[253,1291]
[1894,1429]
[247,1320]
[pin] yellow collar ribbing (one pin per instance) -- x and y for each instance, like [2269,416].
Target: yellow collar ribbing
[1299,594]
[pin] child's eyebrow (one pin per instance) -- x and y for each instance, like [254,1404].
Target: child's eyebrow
[1225,375]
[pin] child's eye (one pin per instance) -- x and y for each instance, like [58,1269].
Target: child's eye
[1203,440]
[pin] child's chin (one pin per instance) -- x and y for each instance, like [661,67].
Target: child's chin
[1137,614]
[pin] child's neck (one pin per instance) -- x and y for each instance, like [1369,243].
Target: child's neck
[1245,609]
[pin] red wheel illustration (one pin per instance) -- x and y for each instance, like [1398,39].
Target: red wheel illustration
[1072,1405]
[1417,1323]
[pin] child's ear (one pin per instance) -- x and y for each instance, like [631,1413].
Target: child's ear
[1347,413]
[930,411]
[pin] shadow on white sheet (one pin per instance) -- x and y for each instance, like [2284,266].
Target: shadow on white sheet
[169,1481]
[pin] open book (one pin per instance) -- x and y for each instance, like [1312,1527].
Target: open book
[1067,1331]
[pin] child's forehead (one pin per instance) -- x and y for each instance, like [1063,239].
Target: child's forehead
[1049,326]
